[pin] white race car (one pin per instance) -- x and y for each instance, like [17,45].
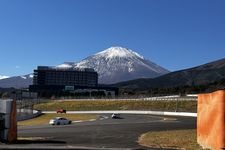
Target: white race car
[59,121]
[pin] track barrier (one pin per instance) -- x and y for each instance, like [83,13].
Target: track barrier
[8,123]
[211,120]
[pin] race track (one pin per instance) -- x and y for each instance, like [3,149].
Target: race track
[106,133]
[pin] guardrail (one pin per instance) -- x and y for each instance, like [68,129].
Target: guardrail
[160,113]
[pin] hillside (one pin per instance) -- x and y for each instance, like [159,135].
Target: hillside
[200,75]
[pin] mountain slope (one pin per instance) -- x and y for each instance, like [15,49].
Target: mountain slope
[17,81]
[118,64]
[204,74]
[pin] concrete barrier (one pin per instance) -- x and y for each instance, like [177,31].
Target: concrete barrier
[211,120]
[8,129]
[27,116]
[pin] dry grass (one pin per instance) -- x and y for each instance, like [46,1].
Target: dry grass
[44,119]
[176,139]
[190,106]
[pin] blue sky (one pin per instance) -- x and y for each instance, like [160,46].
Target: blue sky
[175,34]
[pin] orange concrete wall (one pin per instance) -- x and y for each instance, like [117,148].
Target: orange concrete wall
[211,120]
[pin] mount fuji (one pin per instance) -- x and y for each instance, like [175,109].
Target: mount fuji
[117,64]
[113,65]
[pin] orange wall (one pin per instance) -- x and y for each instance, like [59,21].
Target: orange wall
[211,120]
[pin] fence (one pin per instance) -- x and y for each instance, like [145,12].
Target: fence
[162,98]
[25,108]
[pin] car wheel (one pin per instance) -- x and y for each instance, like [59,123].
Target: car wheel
[70,122]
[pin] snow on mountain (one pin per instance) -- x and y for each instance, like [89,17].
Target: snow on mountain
[3,77]
[17,81]
[117,64]
[28,76]
[23,77]
[31,75]
[66,65]
[118,52]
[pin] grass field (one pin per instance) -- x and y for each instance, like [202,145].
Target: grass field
[188,106]
[44,119]
[176,139]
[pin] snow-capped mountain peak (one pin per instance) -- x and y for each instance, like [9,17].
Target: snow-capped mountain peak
[118,52]
[117,64]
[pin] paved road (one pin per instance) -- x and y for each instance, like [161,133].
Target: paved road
[107,133]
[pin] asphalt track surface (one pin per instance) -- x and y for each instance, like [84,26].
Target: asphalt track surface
[102,133]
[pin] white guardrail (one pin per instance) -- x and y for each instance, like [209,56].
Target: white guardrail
[160,113]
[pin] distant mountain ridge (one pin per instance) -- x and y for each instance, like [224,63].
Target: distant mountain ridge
[200,75]
[17,81]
